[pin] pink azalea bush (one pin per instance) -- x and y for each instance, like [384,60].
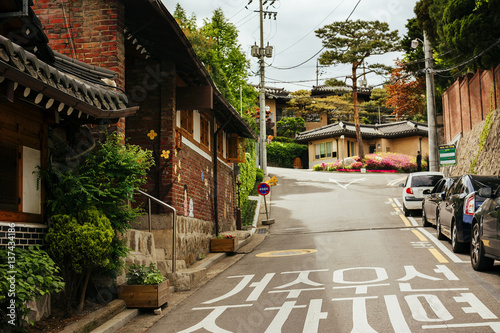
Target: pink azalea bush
[389,162]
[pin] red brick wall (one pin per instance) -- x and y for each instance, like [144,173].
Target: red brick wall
[88,30]
[183,168]
[469,100]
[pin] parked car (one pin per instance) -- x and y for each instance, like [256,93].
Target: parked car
[414,186]
[432,199]
[485,242]
[459,204]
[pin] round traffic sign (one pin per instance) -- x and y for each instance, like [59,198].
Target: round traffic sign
[263,189]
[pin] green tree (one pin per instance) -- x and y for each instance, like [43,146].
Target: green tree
[216,44]
[464,32]
[290,126]
[351,42]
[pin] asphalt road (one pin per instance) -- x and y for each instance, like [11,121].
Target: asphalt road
[342,257]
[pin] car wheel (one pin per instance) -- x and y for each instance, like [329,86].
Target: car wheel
[456,246]
[406,211]
[440,235]
[477,259]
[424,219]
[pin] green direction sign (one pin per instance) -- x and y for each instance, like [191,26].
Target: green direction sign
[447,155]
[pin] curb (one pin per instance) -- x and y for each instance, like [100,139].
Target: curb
[97,318]
[117,322]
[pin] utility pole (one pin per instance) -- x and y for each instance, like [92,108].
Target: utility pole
[262,96]
[262,52]
[431,106]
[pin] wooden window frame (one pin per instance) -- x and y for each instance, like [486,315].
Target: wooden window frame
[205,130]
[236,149]
[187,123]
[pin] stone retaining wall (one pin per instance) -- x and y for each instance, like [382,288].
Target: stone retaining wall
[488,161]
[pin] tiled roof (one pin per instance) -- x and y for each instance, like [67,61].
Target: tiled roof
[390,130]
[324,89]
[52,80]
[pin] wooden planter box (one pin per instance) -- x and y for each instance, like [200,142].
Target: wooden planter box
[223,245]
[144,296]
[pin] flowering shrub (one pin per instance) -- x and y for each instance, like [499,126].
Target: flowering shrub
[388,162]
[356,165]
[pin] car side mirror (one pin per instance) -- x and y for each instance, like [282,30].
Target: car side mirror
[427,192]
[402,185]
[485,192]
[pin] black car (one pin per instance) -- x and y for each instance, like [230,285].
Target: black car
[459,204]
[485,243]
[432,199]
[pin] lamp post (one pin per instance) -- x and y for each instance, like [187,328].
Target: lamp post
[431,104]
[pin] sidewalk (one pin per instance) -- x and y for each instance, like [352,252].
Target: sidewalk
[139,320]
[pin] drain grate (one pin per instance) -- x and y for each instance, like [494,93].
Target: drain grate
[262,231]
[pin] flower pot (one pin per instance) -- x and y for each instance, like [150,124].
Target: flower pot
[223,245]
[144,296]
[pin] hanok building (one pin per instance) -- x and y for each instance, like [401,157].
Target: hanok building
[45,101]
[196,136]
[336,141]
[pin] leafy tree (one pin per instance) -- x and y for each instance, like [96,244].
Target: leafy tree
[406,93]
[351,42]
[464,32]
[290,126]
[81,245]
[333,82]
[216,44]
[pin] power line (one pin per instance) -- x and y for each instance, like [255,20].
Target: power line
[292,67]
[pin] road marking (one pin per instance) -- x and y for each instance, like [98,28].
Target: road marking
[394,182]
[438,256]
[453,257]
[285,253]
[419,235]
[405,220]
[410,221]
[345,186]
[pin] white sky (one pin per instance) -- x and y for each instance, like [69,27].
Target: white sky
[292,33]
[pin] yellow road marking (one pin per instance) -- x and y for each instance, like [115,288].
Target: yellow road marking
[438,256]
[421,237]
[405,220]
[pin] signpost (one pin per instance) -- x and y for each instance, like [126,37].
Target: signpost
[264,189]
[447,155]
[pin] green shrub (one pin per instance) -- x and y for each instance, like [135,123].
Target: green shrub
[248,212]
[282,154]
[259,177]
[36,274]
[144,275]
[80,245]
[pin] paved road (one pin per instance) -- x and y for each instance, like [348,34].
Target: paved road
[341,257]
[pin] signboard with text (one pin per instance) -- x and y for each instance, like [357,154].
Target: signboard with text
[263,189]
[447,155]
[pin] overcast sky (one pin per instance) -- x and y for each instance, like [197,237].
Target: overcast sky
[292,33]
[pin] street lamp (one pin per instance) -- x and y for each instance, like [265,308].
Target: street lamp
[431,104]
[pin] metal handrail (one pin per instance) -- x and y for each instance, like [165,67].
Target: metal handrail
[174,223]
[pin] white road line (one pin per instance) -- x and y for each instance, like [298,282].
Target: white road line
[453,257]
[394,182]
[443,248]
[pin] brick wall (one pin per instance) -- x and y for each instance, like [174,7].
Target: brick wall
[88,30]
[469,100]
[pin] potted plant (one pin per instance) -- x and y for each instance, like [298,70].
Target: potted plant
[223,243]
[146,288]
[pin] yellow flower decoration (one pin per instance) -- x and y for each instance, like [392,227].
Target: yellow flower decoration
[152,134]
[165,154]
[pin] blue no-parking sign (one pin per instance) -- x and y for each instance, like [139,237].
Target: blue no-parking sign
[263,189]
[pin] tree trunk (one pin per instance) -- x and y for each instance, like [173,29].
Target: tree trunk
[84,290]
[359,139]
